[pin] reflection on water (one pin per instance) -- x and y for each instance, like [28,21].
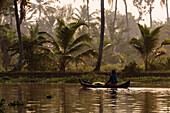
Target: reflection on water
[71,98]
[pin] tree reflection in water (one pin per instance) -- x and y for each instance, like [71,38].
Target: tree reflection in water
[71,98]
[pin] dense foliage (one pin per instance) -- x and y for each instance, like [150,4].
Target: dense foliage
[67,39]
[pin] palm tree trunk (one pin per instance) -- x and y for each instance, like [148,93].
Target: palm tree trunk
[150,12]
[39,13]
[167,11]
[19,64]
[146,62]
[115,15]
[88,14]
[88,11]
[97,68]
[127,21]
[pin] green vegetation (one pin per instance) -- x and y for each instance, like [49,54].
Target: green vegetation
[89,77]
[2,101]
[70,40]
[69,48]
[147,45]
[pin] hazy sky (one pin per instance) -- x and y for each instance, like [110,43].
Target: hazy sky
[159,13]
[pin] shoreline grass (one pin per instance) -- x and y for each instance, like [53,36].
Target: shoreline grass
[91,78]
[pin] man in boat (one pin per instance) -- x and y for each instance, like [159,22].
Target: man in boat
[113,79]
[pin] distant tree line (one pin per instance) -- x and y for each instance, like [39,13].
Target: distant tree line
[54,38]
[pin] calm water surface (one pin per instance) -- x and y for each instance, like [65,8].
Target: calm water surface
[71,98]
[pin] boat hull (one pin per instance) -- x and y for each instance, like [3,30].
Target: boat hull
[90,85]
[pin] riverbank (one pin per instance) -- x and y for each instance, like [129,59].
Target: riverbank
[88,77]
[77,74]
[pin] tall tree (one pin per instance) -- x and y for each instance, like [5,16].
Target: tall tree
[97,68]
[88,12]
[22,4]
[127,20]
[165,2]
[115,14]
[141,9]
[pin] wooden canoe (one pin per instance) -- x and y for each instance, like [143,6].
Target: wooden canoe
[90,85]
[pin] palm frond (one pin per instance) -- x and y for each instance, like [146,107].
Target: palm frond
[82,38]
[45,49]
[88,53]
[64,36]
[54,42]
[75,25]
[156,31]
[137,45]
[77,47]
[165,42]
[141,28]
[108,46]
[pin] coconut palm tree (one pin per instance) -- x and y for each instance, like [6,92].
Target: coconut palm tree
[35,53]
[147,44]
[97,68]
[115,14]
[87,10]
[165,2]
[23,4]
[40,6]
[67,47]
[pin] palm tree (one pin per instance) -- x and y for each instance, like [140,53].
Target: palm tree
[35,53]
[146,45]
[82,14]
[18,22]
[165,2]
[23,4]
[87,11]
[67,47]
[40,7]
[115,14]
[97,68]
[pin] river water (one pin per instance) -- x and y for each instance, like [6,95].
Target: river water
[72,98]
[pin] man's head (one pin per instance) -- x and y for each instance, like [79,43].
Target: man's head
[113,71]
